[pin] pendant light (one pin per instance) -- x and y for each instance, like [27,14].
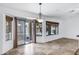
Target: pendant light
[40,14]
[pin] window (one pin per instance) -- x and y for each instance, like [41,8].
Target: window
[38,28]
[9,27]
[52,28]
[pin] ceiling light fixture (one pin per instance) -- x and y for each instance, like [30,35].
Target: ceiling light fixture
[40,14]
[72,11]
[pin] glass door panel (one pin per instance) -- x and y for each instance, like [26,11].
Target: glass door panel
[27,33]
[20,32]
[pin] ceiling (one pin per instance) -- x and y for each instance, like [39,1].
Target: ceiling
[48,9]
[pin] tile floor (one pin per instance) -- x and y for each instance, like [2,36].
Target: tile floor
[61,46]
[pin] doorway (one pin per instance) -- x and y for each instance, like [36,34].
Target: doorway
[24,31]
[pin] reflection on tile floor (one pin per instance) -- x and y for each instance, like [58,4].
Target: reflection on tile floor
[57,47]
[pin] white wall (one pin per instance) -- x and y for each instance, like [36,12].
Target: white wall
[1,32]
[45,38]
[15,12]
[7,45]
[67,27]
[71,27]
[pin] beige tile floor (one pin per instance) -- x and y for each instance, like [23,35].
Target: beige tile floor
[61,46]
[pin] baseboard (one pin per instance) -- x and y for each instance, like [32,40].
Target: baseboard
[71,38]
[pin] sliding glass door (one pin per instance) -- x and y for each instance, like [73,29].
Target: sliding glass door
[23,31]
[27,32]
[20,31]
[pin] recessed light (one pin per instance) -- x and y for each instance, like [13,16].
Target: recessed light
[72,11]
